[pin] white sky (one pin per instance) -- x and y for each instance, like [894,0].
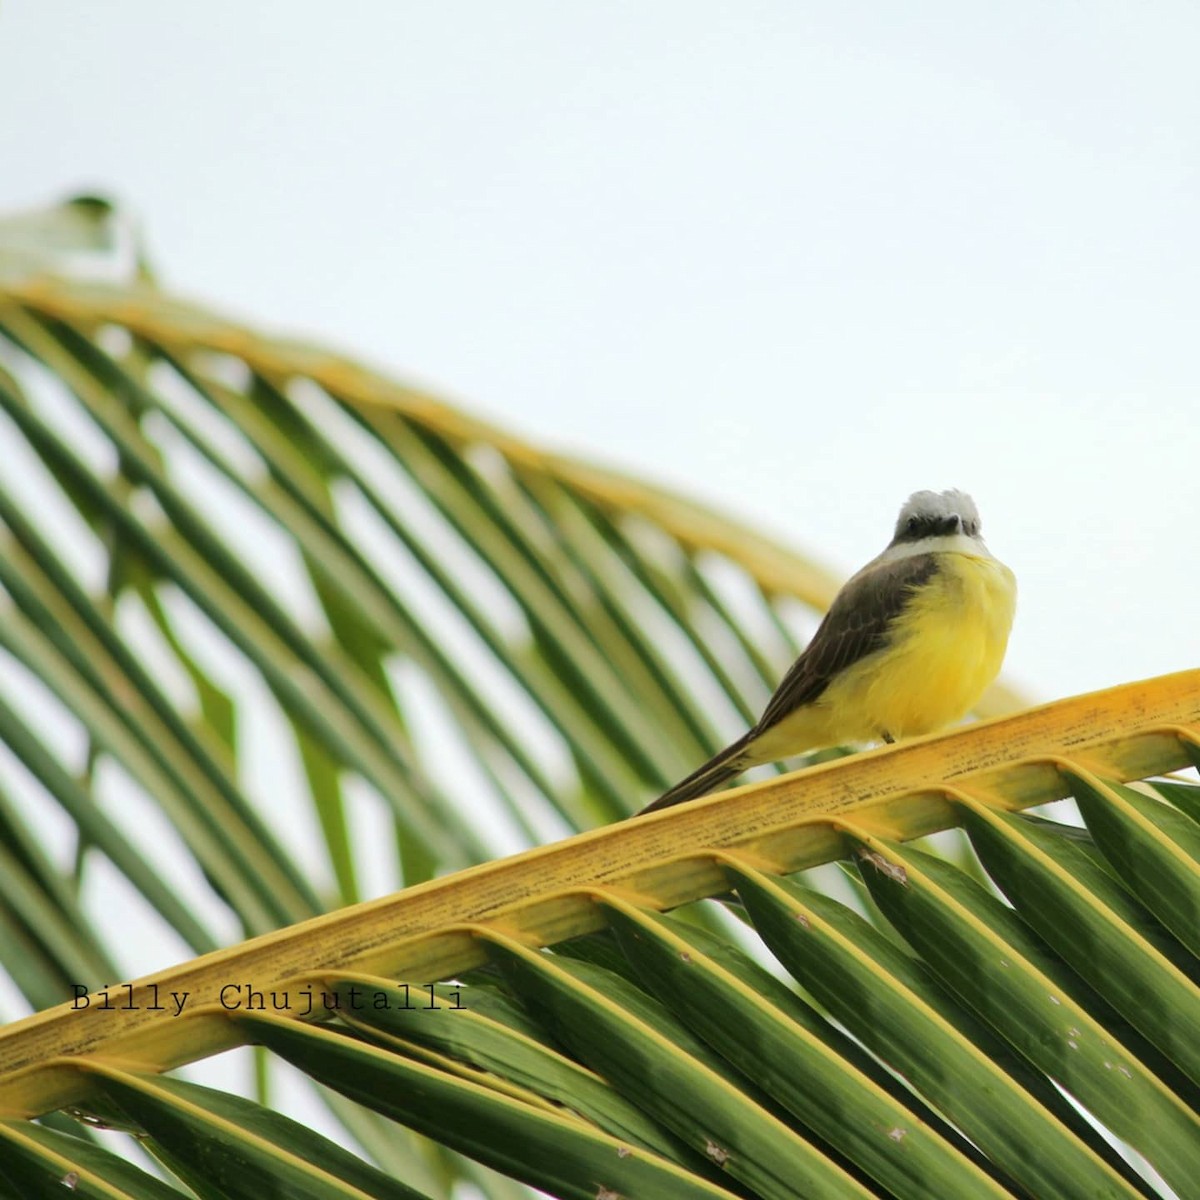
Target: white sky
[799,260]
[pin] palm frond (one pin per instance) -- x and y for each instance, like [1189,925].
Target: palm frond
[465,639]
[687,1058]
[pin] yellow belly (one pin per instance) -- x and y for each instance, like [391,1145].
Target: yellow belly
[943,652]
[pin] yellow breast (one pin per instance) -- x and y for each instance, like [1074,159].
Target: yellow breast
[944,651]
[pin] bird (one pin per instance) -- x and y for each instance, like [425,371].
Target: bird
[907,647]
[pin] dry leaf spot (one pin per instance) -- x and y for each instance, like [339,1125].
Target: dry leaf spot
[717,1153]
[893,871]
[70,1180]
[683,954]
[897,1134]
[623,1152]
[803,921]
[603,1193]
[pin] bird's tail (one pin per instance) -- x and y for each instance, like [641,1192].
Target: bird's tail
[731,761]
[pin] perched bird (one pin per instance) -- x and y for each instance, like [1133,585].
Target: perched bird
[909,644]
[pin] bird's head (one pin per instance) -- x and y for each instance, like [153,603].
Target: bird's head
[936,514]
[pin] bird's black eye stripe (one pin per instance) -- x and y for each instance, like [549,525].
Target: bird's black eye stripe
[917,527]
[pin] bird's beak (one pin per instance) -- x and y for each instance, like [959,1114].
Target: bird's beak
[952,525]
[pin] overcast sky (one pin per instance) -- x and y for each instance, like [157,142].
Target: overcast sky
[799,260]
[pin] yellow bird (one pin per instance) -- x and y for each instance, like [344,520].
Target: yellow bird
[909,644]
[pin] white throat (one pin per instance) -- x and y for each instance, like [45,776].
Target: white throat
[948,543]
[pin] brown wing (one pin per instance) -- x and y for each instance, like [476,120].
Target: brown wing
[856,625]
